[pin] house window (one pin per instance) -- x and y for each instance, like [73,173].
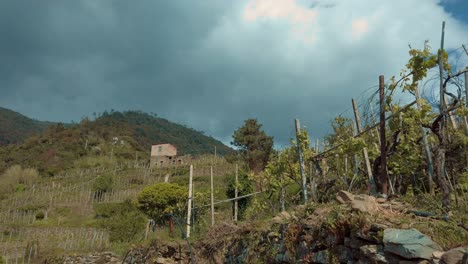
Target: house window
[160,148]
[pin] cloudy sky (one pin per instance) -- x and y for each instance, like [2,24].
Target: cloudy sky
[210,64]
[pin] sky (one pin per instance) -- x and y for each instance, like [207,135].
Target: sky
[211,64]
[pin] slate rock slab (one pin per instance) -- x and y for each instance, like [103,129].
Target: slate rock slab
[409,243]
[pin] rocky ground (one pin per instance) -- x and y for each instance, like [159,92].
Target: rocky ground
[357,229]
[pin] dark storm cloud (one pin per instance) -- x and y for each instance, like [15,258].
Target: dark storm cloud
[200,63]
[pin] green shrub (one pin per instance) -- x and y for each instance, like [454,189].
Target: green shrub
[124,221]
[40,215]
[162,198]
[101,185]
[20,187]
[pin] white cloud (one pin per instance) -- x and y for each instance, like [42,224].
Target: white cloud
[212,64]
[354,42]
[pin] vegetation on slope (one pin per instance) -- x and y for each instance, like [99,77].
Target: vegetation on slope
[15,127]
[116,136]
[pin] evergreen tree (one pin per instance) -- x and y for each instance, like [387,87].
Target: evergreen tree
[254,144]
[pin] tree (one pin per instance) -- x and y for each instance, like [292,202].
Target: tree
[162,198]
[102,185]
[254,144]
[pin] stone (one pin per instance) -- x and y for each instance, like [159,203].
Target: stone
[374,253]
[340,200]
[354,243]
[410,243]
[320,257]
[378,227]
[381,200]
[437,254]
[364,204]
[282,218]
[455,256]
[344,197]
[344,254]
[369,236]
[160,260]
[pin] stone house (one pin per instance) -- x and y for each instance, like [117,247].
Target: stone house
[164,155]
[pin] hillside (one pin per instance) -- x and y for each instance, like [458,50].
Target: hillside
[62,147]
[15,127]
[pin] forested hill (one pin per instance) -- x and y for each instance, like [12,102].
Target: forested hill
[15,127]
[61,147]
[149,129]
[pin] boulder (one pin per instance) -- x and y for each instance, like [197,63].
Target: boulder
[344,197]
[409,243]
[456,256]
[364,204]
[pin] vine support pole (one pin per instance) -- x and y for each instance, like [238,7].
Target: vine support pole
[212,197]
[466,97]
[301,161]
[371,184]
[189,209]
[383,140]
[236,194]
[427,150]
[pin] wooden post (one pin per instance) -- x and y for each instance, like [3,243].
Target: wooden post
[189,209]
[383,140]
[465,119]
[356,162]
[430,165]
[441,79]
[301,161]
[236,194]
[373,122]
[371,184]
[466,88]
[346,165]
[283,194]
[212,197]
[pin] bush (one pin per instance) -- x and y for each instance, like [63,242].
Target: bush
[162,198]
[102,185]
[40,215]
[123,220]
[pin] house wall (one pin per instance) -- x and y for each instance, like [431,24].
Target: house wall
[163,150]
[166,161]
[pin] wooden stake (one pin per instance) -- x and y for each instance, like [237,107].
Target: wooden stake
[371,184]
[430,165]
[236,194]
[465,119]
[301,161]
[189,209]
[383,140]
[283,192]
[212,197]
